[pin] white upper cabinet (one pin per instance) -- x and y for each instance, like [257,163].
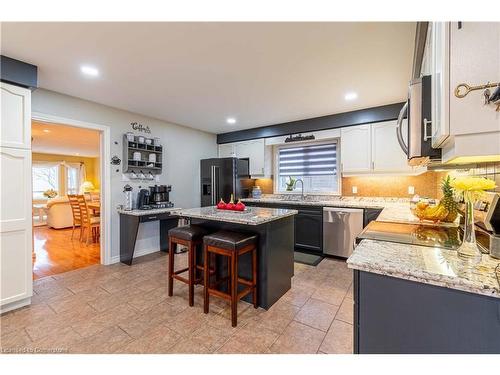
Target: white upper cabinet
[15,117]
[374,148]
[259,155]
[355,149]
[227,150]
[438,43]
[387,155]
[474,60]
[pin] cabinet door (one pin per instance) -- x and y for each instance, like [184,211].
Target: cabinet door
[439,39]
[257,152]
[356,149]
[474,60]
[309,230]
[387,155]
[226,150]
[254,151]
[15,226]
[15,117]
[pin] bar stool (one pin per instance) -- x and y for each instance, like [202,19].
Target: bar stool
[231,245]
[190,236]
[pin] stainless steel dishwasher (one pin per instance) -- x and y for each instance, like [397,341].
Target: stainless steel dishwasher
[340,228]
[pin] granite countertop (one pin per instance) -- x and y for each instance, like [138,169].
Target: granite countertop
[147,212]
[427,265]
[252,215]
[394,210]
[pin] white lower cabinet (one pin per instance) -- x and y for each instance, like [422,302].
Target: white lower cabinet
[15,229]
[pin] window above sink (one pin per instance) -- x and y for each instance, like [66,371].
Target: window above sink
[315,163]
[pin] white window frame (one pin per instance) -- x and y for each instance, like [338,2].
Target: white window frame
[277,148]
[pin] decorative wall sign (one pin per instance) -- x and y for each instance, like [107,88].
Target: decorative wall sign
[140,127]
[298,138]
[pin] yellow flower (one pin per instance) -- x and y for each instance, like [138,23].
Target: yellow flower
[472,184]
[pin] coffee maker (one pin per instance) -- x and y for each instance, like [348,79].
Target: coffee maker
[159,193]
[143,200]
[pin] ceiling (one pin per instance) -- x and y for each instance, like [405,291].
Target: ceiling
[64,140]
[199,74]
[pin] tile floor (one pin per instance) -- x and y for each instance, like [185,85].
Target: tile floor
[122,309]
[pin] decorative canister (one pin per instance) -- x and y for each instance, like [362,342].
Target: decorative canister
[149,141]
[156,141]
[127,189]
[130,137]
[256,192]
[136,156]
[140,139]
[152,158]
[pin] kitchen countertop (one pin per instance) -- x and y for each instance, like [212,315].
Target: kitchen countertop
[252,216]
[429,265]
[395,210]
[147,212]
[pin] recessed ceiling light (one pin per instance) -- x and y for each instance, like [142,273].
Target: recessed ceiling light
[231,120]
[350,96]
[46,130]
[89,70]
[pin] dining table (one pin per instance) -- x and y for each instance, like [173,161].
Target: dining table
[94,206]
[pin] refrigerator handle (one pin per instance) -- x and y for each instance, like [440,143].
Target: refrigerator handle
[212,184]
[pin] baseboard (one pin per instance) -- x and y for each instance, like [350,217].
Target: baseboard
[139,253]
[15,305]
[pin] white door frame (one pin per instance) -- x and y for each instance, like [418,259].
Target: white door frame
[105,173]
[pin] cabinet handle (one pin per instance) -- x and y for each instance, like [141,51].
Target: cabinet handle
[426,136]
[373,165]
[152,217]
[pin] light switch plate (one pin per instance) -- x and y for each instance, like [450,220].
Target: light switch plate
[411,190]
[355,190]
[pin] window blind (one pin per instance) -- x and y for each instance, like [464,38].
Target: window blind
[316,160]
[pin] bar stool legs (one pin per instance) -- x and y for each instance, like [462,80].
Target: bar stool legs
[233,279]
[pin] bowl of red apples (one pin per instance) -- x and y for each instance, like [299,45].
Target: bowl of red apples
[231,206]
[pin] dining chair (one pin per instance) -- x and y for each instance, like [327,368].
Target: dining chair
[89,222]
[77,213]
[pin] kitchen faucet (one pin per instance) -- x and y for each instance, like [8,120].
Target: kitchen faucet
[302,184]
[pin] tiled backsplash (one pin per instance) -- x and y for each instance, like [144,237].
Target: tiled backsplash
[426,185]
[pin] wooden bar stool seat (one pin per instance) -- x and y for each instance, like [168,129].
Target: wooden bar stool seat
[190,236]
[231,245]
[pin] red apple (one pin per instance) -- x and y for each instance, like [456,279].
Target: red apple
[239,206]
[222,205]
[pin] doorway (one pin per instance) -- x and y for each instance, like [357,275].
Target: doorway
[70,195]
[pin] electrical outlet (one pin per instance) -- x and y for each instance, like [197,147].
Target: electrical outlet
[355,190]
[411,190]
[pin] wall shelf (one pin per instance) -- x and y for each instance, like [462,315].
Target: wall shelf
[131,165]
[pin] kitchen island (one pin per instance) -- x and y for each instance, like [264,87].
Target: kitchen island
[275,229]
[420,299]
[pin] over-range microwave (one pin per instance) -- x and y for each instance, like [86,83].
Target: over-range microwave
[418,110]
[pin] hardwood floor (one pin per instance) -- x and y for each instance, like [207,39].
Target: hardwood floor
[56,252]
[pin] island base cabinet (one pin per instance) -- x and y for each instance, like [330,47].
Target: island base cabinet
[396,316]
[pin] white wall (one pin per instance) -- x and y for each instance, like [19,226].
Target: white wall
[183,149]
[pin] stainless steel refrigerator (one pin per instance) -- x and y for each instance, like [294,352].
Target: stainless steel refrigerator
[221,177]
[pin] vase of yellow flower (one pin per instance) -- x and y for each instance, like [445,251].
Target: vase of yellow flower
[470,189]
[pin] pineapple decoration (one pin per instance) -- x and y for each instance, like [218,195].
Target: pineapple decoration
[448,200]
